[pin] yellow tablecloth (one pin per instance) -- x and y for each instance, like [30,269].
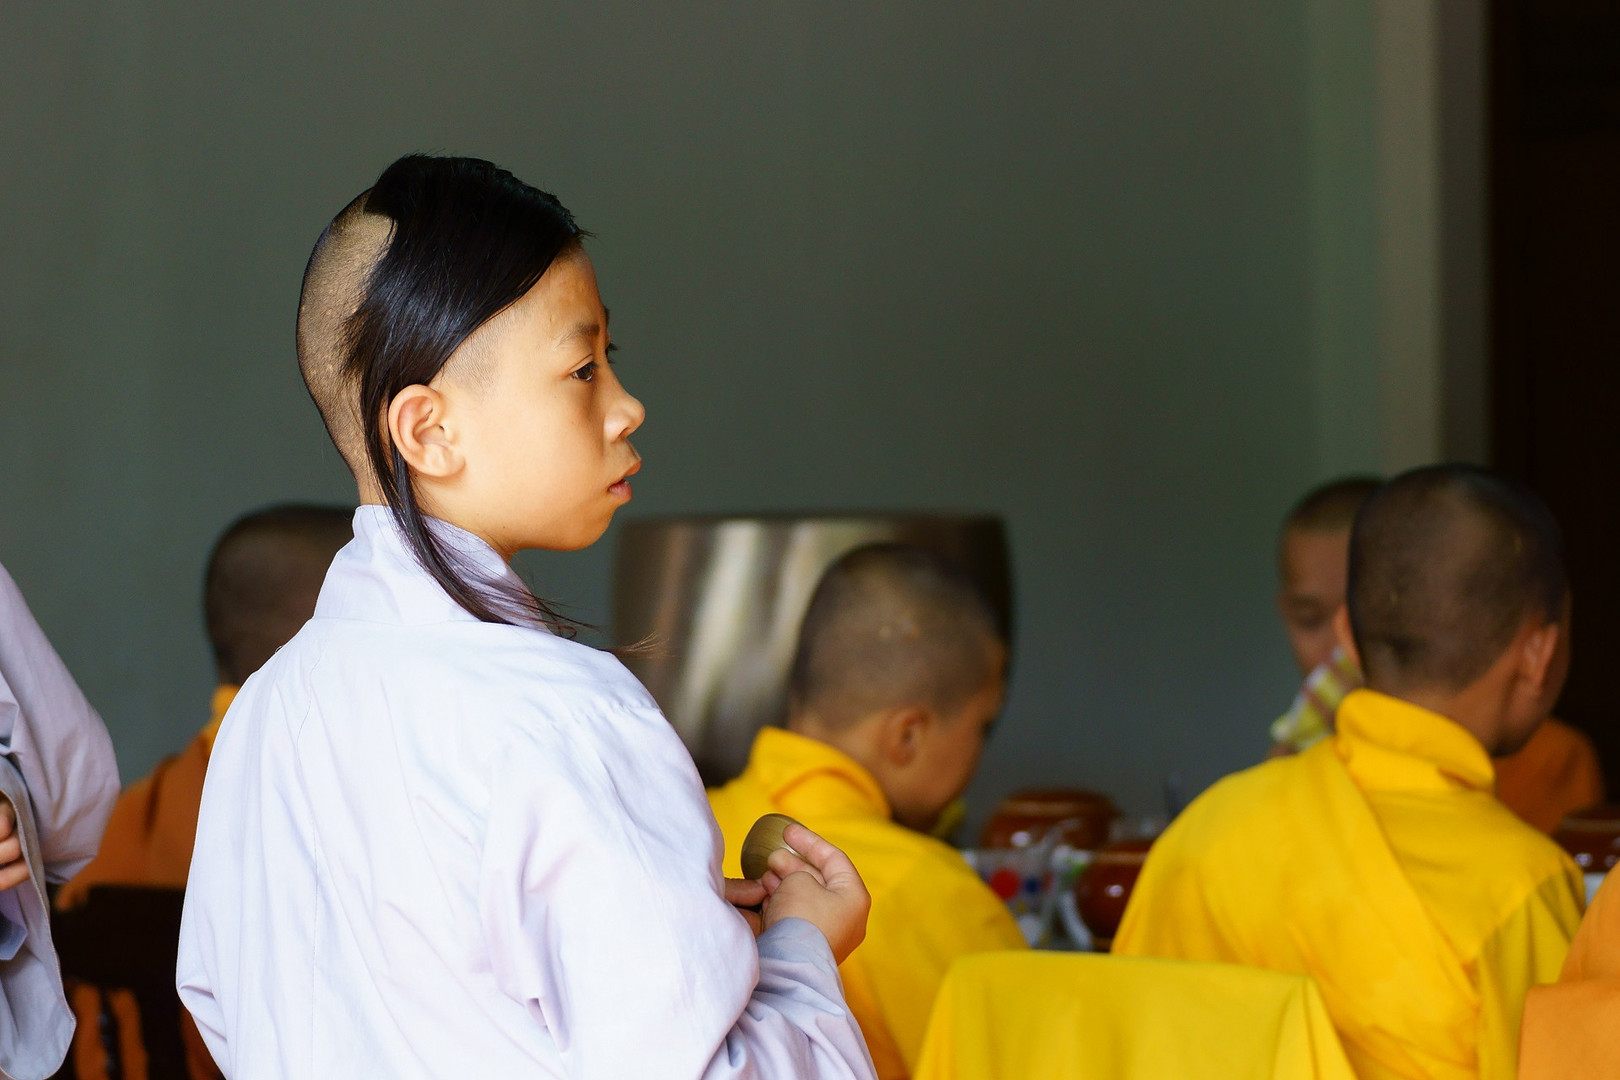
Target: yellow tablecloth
[1018,1015]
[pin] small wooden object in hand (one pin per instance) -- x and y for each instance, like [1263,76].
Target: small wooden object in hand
[764,838]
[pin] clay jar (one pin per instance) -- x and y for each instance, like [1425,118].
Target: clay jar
[1592,838]
[1079,818]
[1105,888]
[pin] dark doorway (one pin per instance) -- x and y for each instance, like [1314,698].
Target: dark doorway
[1555,198]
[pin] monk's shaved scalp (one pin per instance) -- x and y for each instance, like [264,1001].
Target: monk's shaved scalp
[1447,564]
[1332,506]
[262,579]
[893,625]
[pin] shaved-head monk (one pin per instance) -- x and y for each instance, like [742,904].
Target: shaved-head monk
[1379,861]
[260,587]
[1556,772]
[1313,554]
[899,673]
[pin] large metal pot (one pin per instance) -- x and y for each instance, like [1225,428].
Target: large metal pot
[716,604]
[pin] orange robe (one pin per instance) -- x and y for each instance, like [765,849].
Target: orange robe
[1572,1028]
[1556,772]
[148,842]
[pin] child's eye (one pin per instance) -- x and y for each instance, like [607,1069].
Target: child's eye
[586,373]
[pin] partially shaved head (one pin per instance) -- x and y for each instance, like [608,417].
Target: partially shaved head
[1447,564]
[399,281]
[893,625]
[335,284]
[262,580]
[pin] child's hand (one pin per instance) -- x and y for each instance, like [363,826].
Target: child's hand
[746,896]
[822,887]
[13,867]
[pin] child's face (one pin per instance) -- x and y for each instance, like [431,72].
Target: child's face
[541,423]
[1313,566]
[947,753]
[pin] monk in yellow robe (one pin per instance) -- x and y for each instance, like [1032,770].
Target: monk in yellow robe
[260,587]
[1556,772]
[1379,861]
[898,676]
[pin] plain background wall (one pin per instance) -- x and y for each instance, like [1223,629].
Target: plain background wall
[1106,269]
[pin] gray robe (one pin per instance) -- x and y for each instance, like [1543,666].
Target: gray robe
[57,768]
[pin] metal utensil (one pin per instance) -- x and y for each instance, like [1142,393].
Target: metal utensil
[718,601]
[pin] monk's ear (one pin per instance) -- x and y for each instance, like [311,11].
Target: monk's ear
[902,733]
[417,424]
[1539,652]
[1344,636]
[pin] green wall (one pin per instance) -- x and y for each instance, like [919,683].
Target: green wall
[1092,266]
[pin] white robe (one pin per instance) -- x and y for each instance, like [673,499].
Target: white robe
[435,847]
[58,770]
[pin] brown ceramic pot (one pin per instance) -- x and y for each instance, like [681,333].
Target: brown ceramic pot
[1080,819]
[1105,888]
[1592,838]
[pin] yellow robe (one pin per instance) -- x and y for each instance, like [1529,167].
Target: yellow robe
[1572,1029]
[1379,862]
[148,842]
[1082,1016]
[928,906]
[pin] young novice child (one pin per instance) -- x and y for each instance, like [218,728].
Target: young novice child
[1556,772]
[1313,549]
[58,780]
[438,838]
[1378,860]
[899,674]
[259,589]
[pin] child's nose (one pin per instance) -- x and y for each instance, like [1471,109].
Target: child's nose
[627,416]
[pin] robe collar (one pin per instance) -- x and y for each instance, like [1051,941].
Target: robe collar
[1392,745]
[795,769]
[376,577]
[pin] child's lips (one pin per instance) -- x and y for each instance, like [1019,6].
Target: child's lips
[621,488]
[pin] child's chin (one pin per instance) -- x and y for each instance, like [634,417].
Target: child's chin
[583,539]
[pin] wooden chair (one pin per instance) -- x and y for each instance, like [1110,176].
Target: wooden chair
[127,938]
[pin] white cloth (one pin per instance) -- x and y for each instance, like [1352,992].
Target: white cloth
[435,847]
[58,771]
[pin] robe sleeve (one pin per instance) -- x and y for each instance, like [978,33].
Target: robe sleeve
[1527,950]
[1569,1028]
[55,739]
[612,932]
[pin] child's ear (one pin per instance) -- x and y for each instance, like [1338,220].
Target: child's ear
[416,424]
[1343,636]
[902,733]
[1536,657]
